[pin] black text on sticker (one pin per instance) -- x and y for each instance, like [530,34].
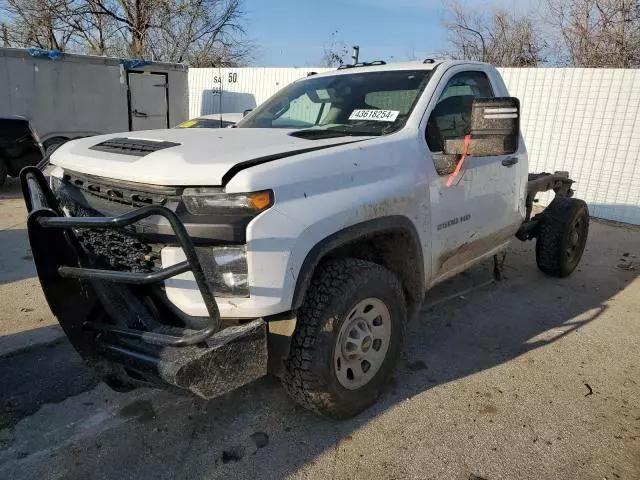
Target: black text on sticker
[377,115]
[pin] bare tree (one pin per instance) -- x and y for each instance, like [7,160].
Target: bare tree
[35,23]
[597,33]
[5,35]
[201,32]
[499,37]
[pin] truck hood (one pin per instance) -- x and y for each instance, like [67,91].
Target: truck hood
[183,156]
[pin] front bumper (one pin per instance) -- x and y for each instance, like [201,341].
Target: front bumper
[120,321]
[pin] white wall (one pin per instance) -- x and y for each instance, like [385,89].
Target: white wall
[242,88]
[586,121]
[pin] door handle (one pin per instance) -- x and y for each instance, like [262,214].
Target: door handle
[510,162]
[136,113]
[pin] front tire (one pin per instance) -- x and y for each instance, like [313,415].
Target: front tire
[562,237]
[348,336]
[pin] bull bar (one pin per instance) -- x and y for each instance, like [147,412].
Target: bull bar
[112,328]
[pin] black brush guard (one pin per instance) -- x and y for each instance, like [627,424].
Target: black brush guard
[112,328]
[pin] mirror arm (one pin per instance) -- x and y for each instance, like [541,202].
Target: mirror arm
[465,154]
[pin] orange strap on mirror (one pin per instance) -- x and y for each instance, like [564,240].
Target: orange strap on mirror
[465,154]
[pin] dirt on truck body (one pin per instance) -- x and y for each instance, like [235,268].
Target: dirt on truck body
[299,243]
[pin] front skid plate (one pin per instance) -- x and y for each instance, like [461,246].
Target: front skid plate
[232,358]
[228,360]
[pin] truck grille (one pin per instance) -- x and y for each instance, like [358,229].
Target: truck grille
[121,249]
[127,193]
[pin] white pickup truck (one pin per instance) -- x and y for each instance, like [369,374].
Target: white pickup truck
[300,242]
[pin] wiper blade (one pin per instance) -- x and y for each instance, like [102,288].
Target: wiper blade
[332,133]
[358,133]
[316,133]
[349,130]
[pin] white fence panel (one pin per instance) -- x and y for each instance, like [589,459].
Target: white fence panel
[231,90]
[586,121]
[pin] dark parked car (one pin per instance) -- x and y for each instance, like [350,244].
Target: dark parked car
[19,147]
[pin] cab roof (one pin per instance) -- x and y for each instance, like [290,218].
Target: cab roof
[389,67]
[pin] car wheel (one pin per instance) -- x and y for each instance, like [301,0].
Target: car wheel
[562,236]
[347,340]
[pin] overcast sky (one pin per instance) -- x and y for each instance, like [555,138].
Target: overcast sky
[292,32]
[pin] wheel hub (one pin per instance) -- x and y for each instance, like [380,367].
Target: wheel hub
[362,343]
[358,340]
[574,243]
[574,238]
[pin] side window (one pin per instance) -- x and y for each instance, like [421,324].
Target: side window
[452,114]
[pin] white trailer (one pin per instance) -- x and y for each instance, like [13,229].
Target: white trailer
[69,96]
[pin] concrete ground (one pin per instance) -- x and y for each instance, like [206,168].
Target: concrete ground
[25,318]
[529,378]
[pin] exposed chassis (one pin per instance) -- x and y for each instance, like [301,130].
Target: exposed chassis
[559,182]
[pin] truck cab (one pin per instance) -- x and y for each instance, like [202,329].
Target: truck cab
[301,241]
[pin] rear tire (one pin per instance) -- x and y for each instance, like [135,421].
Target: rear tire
[348,336]
[562,236]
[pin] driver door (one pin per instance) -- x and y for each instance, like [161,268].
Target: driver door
[474,213]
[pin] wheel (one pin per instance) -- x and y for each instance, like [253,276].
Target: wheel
[347,340]
[52,145]
[3,172]
[562,236]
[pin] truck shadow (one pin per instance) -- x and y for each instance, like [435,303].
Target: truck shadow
[11,189]
[257,432]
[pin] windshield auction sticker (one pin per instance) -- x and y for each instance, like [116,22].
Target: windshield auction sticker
[376,115]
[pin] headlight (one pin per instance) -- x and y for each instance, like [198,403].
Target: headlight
[231,275]
[230,278]
[225,269]
[199,201]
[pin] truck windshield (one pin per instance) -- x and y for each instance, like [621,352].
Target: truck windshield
[370,103]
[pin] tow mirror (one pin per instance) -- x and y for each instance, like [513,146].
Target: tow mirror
[495,128]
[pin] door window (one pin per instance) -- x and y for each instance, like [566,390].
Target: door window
[451,117]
